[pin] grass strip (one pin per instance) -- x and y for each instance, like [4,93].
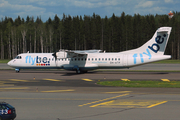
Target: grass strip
[124,70]
[4,61]
[143,83]
[168,62]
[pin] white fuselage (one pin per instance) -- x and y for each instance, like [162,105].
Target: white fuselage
[92,61]
[47,61]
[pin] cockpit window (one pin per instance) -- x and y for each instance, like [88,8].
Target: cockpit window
[18,57]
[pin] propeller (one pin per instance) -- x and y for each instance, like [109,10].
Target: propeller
[55,56]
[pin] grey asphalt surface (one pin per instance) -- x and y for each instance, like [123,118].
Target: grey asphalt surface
[93,106]
[65,95]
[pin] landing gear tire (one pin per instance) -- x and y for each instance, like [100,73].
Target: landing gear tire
[78,71]
[85,71]
[17,70]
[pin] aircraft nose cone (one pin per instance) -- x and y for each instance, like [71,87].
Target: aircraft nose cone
[9,63]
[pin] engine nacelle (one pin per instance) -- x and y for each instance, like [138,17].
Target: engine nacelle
[61,54]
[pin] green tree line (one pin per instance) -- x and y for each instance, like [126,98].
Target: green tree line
[114,34]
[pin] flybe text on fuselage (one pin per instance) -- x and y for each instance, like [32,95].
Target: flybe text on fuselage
[155,47]
[39,61]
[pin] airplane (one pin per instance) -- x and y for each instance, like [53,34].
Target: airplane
[84,60]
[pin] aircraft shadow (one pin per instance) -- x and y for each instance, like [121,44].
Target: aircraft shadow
[71,73]
[75,74]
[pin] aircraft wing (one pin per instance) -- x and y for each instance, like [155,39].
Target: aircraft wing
[80,53]
[72,54]
[85,51]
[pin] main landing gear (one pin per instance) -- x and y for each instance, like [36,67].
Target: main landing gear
[78,71]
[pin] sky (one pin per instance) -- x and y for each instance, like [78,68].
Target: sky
[50,8]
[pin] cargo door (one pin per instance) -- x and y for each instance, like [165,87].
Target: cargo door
[125,60]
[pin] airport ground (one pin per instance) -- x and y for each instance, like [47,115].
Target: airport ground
[65,95]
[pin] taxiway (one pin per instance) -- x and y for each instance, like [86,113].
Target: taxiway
[64,95]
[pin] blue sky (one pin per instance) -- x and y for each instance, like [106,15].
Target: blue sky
[49,8]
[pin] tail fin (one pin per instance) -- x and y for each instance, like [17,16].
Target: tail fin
[157,44]
[151,51]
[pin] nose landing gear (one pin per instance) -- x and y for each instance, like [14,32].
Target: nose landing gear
[17,70]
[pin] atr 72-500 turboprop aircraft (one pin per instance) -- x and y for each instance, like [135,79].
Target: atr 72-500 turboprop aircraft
[82,61]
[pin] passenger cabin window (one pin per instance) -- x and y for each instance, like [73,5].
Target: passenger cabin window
[88,59]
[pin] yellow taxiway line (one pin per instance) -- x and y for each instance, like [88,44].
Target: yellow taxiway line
[59,91]
[103,100]
[165,80]
[119,92]
[19,80]
[87,80]
[52,80]
[104,103]
[14,88]
[129,104]
[156,104]
[125,79]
